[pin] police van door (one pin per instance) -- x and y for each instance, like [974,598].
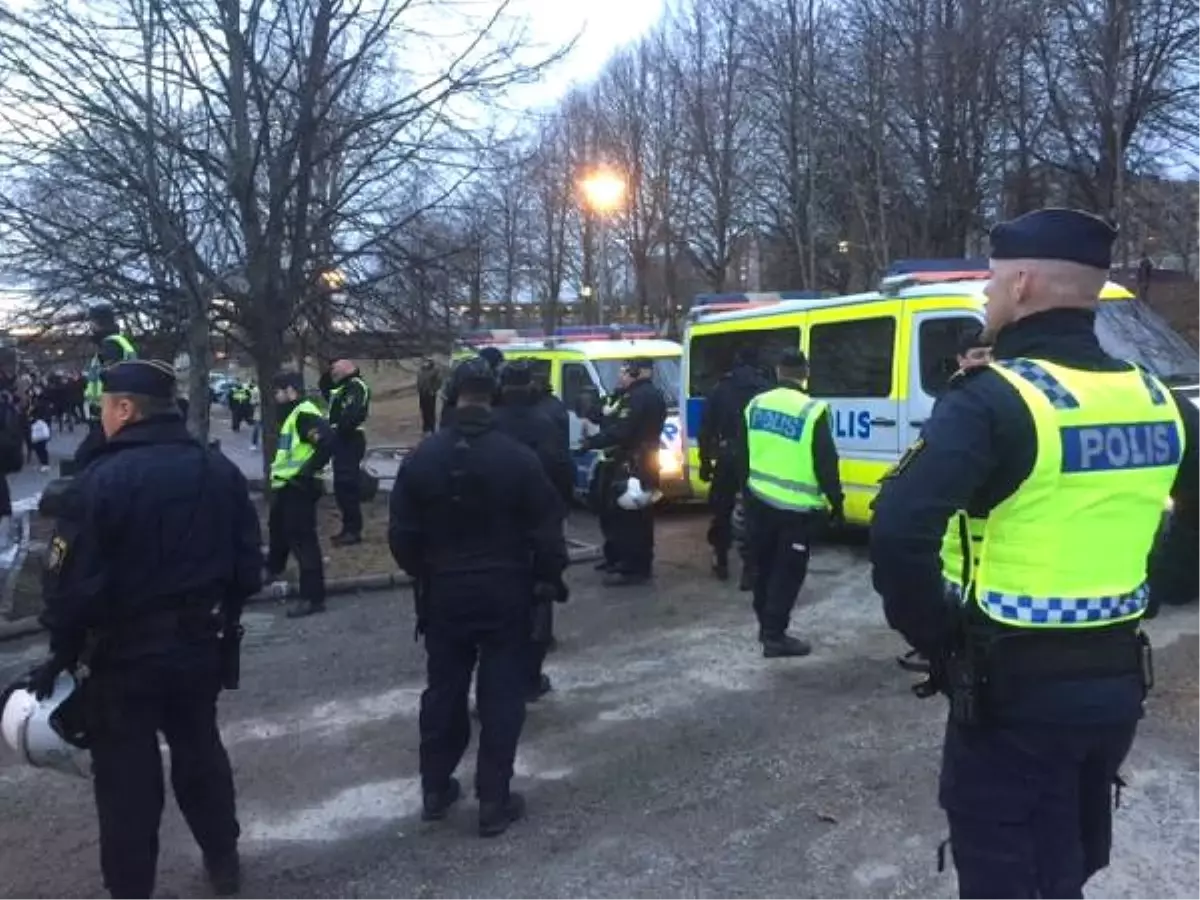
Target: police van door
[932,360]
[853,366]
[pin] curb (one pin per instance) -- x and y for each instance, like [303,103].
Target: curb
[284,590]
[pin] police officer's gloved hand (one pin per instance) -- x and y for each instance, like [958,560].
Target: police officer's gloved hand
[837,517]
[706,470]
[41,679]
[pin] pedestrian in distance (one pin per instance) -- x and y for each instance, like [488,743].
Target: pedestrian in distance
[156,547]
[429,383]
[1010,548]
[478,525]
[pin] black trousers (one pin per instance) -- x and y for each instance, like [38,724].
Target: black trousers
[1030,805]
[292,524]
[780,548]
[722,496]
[138,702]
[348,453]
[428,404]
[239,413]
[453,651]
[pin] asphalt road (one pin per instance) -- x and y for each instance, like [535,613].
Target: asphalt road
[671,760]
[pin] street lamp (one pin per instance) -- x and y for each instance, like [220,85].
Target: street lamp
[603,193]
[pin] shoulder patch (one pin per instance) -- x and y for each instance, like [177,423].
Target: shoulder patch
[57,553]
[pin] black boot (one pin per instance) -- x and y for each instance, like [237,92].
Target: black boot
[224,873]
[785,645]
[604,566]
[495,817]
[435,804]
[746,582]
[346,539]
[539,690]
[720,565]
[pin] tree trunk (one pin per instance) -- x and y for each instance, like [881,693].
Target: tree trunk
[200,362]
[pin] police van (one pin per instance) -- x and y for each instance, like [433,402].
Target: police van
[583,365]
[881,359]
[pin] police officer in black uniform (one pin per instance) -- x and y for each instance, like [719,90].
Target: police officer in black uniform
[303,449]
[478,525]
[349,401]
[495,360]
[156,548]
[553,409]
[1042,717]
[520,417]
[633,432]
[722,444]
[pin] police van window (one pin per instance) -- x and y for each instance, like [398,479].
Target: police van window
[937,341]
[666,376]
[712,355]
[1129,329]
[852,359]
[575,379]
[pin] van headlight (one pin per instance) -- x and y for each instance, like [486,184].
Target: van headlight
[670,462]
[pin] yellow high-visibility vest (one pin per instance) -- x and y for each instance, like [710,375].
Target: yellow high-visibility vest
[93,389]
[1068,549]
[292,451]
[780,425]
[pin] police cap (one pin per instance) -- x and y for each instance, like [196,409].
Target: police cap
[517,373]
[148,377]
[640,364]
[475,376]
[492,356]
[285,380]
[1063,234]
[793,359]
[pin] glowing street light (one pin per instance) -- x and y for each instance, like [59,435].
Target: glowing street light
[603,193]
[603,190]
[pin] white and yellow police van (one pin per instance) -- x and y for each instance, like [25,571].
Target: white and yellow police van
[582,362]
[881,359]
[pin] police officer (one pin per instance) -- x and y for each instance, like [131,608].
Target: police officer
[792,491]
[519,417]
[156,548]
[1010,548]
[349,400]
[722,442]
[553,409]
[633,431]
[111,347]
[495,360]
[304,447]
[478,525]
[239,406]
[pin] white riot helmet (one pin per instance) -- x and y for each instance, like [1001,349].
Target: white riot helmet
[635,496]
[30,728]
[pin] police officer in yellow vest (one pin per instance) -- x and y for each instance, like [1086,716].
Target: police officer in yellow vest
[792,491]
[1010,548]
[349,400]
[111,347]
[302,452]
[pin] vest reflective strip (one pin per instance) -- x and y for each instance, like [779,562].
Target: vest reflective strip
[797,486]
[1051,387]
[1063,610]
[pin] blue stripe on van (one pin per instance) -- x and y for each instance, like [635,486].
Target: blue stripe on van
[695,418]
